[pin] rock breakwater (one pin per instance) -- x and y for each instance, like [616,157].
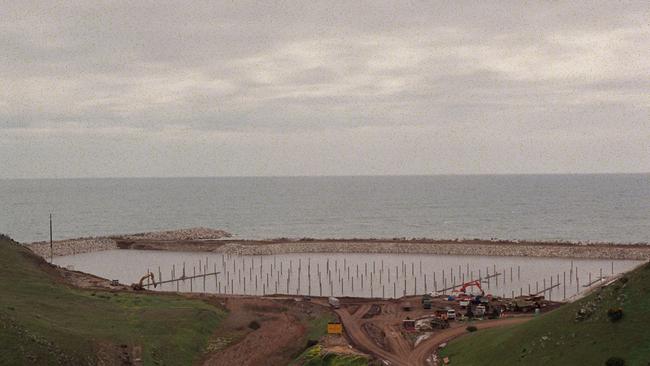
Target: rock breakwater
[72,246]
[96,244]
[197,233]
[550,250]
[210,240]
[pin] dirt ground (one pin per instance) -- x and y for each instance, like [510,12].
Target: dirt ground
[280,338]
[380,332]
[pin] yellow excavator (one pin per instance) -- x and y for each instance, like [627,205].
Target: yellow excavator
[140,285]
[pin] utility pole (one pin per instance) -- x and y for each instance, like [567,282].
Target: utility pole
[51,249]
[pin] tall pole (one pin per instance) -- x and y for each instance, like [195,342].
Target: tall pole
[51,248]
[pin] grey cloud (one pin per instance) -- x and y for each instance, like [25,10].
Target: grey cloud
[475,73]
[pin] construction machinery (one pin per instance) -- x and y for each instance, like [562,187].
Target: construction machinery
[140,285]
[437,323]
[463,288]
[408,324]
[479,311]
[426,301]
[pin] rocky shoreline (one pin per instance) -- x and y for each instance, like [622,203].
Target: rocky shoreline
[541,250]
[210,240]
[96,244]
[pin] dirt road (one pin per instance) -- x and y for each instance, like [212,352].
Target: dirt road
[359,338]
[382,335]
[424,350]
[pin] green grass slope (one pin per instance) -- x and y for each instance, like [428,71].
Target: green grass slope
[558,338]
[314,356]
[46,322]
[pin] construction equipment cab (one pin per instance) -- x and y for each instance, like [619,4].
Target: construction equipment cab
[140,285]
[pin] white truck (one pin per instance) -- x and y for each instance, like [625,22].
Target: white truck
[451,314]
[334,302]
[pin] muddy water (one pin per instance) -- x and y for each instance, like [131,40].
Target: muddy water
[359,275]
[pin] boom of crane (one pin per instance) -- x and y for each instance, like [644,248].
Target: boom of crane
[465,285]
[140,285]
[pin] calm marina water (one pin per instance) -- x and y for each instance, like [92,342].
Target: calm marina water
[604,208]
[359,275]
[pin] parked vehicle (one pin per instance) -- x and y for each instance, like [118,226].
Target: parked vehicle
[408,324]
[334,302]
[451,314]
[480,310]
[437,323]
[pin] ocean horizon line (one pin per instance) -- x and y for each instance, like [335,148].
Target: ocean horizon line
[334,176]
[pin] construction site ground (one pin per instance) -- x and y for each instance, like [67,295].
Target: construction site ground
[273,330]
[375,327]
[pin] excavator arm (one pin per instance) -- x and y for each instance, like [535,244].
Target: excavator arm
[465,285]
[140,285]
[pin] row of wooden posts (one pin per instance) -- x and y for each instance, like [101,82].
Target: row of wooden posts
[346,274]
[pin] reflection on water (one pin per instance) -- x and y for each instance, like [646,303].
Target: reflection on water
[359,275]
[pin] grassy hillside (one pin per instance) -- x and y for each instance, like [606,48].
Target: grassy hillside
[315,356]
[559,338]
[45,322]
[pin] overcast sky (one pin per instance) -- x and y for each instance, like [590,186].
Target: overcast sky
[159,88]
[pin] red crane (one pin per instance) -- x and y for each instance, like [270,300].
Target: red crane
[465,285]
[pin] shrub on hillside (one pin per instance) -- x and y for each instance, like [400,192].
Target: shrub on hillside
[615,314]
[615,361]
[471,328]
[254,325]
[311,342]
[4,237]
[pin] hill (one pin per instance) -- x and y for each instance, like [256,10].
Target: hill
[581,333]
[44,321]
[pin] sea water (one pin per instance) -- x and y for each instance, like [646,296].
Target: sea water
[602,208]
